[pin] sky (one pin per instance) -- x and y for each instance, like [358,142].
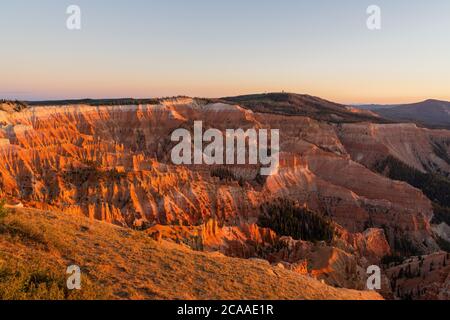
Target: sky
[211,48]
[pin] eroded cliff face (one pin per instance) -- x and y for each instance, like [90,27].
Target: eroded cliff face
[423,149]
[422,278]
[341,263]
[112,163]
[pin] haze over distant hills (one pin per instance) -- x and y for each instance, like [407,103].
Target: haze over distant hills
[430,113]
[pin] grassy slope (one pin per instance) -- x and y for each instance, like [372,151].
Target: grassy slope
[36,247]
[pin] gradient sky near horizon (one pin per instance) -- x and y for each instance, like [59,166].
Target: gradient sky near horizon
[214,48]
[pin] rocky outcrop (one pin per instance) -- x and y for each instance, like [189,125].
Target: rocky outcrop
[424,277]
[12,106]
[423,149]
[243,241]
[342,263]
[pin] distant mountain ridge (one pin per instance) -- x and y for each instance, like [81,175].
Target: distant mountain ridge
[292,104]
[280,103]
[430,113]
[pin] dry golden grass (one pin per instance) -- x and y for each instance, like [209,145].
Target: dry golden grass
[36,247]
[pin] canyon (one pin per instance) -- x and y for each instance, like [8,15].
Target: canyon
[112,163]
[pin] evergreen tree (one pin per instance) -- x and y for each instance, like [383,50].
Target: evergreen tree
[288,219]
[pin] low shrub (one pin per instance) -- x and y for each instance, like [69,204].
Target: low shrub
[3,210]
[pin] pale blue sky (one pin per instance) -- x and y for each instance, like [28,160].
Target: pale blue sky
[218,48]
